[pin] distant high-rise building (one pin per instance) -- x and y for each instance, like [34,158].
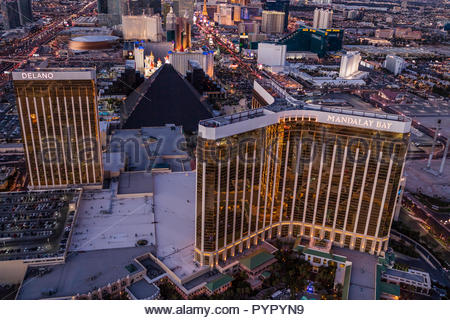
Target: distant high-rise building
[182,34]
[180,61]
[254,28]
[224,14]
[184,8]
[297,172]
[280,6]
[241,28]
[110,12]
[171,25]
[271,54]
[394,64]
[205,9]
[165,9]
[323,19]
[139,7]
[142,28]
[10,14]
[236,13]
[349,64]
[272,22]
[25,11]
[187,34]
[314,40]
[16,13]
[171,20]
[139,57]
[248,27]
[241,2]
[58,116]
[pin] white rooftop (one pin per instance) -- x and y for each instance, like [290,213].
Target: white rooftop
[106,222]
[174,196]
[113,161]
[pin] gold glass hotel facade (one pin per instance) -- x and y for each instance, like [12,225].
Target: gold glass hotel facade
[297,171]
[58,116]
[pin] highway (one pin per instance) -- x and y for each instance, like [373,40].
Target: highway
[425,214]
[25,48]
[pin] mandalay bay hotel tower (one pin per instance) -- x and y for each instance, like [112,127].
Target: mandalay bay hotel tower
[297,171]
[58,116]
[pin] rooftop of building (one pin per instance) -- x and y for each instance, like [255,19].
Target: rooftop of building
[37,224]
[218,283]
[82,273]
[363,273]
[346,284]
[153,269]
[256,260]
[56,69]
[142,289]
[201,278]
[135,183]
[320,253]
[146,147]
[280,107]
[174,199]
[382,286]
[113,161]
[405,275]
[105,221]
[247,252]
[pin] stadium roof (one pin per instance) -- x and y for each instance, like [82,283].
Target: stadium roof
[95,38]
[169,99]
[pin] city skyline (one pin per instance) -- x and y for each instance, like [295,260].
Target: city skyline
[263,152]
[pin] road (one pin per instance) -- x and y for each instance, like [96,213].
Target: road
[209,30]
[437,271]
[427,215]
[25,48]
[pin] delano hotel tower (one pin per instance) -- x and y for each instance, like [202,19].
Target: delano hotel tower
[297,171]
[58,115]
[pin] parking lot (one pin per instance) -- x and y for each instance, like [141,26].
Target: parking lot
[36,225]
[9,123]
